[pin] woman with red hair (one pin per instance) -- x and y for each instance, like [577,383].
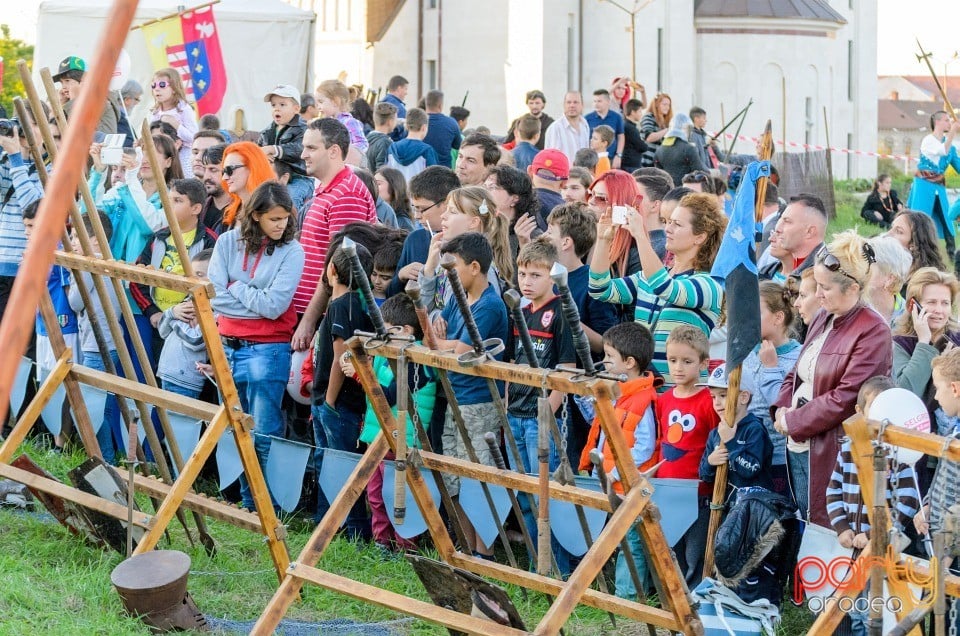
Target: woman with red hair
[617,188]
[245,168]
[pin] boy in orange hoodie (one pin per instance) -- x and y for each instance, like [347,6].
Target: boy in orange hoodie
[628,350]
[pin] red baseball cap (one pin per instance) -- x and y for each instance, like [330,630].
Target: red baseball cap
[554,162]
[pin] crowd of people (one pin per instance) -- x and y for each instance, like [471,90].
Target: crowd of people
[629,198]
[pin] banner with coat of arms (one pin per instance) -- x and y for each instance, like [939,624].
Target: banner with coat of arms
[190,44]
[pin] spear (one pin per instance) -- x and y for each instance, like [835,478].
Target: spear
[925,57]
[16,328]
[733,265]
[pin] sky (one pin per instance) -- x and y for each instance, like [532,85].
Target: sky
[899,22]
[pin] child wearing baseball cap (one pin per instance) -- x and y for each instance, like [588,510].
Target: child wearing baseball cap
[746,447]
[282,141]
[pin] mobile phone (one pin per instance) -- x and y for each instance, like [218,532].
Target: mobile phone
[619,215]
[911,303]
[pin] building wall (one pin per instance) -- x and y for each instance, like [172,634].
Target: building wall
[340,40]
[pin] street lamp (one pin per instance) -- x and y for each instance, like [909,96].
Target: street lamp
[637,8]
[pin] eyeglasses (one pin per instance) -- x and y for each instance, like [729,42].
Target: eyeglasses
[160,84]
[229,170]
[832,263]
[602,198]
[418,211]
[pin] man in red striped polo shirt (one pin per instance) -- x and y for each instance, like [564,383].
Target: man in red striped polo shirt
[340,199]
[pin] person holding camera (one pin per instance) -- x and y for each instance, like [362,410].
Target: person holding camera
[19,187]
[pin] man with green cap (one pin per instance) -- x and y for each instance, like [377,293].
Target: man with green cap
[70,77]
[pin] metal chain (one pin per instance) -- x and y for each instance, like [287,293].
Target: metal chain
[953,617]
[564,425]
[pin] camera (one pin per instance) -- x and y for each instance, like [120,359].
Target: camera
[7,126]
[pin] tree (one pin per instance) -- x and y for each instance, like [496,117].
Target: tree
[11,50]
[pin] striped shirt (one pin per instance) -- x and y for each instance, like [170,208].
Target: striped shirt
[845,503]
[19,186]
[343,201]
[662,303]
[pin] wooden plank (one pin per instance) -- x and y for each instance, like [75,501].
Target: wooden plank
[861,450]
[661,560]
[400,603]
[70,493]
[135,273]
[592,598]
[148,394]
[182,485]
[213,508]
[514,481]
[629,475]
[504,371]
[321,537]
[44,393]
[593,561]
[927,443]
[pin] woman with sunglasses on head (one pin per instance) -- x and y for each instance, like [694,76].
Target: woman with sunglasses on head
[662,298]
[847,343]
[245,168]
[170,105]
[468,209]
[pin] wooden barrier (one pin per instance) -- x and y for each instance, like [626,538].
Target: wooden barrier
[169,494]
[676,614]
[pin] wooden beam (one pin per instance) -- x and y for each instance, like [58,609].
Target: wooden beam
[322,535]
[593,561]
[144,393]
[592,598]
[927,443]
[207,506]
[135,273]
[181,486]
[400,603]
[503,371]
[514,481]
[44,393]
[58,489]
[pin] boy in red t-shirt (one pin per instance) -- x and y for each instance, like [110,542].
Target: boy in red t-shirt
[686,416]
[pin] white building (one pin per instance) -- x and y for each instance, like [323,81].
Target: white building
[709,53]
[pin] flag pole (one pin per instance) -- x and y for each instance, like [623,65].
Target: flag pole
[733,385]
[175,15]
[17,325]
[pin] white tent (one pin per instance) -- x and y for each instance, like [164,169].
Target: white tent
[264,43]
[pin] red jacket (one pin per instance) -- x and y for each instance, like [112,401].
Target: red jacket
[636,396]
[858,348]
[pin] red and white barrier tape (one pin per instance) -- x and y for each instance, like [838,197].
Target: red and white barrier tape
[848,151]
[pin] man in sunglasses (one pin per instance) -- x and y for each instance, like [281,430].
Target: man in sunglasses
[70,75]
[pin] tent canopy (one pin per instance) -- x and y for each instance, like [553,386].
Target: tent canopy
[264,43]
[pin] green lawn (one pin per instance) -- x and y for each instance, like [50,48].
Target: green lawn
[54,583]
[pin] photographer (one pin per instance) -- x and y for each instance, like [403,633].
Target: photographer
[19,186]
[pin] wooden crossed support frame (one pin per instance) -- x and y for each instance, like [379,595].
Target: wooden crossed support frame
[677,614]
[169,494]
[863,435]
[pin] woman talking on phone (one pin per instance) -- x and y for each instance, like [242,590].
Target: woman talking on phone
[926,329]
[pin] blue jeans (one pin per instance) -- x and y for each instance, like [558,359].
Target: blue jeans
[109,436]
[525,432]
[799,467]
[319,443]
[179,389]
[261,372]
[624,582]
[341,429]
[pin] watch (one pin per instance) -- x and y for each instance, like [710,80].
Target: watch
[619,154]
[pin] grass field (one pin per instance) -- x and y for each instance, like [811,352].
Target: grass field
[54,583]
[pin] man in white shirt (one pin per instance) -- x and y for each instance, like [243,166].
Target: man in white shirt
[571,132]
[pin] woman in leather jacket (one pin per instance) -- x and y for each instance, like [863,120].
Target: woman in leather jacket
[847,343]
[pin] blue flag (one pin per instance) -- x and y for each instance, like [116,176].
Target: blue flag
[736,269]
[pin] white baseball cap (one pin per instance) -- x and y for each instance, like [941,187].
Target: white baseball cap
[284,90]
[717,378]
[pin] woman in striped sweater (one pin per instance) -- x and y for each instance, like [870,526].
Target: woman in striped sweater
[684,294]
